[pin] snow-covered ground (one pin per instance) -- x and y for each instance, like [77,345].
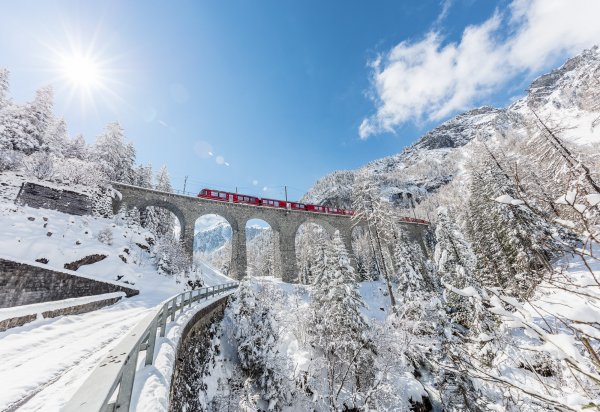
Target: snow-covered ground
[45,361]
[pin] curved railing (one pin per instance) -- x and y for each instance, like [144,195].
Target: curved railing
[110,385]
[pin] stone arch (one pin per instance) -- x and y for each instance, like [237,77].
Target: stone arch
[262,249]
[171,207]
[212,241]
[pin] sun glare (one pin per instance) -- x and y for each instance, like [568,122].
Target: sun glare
[84,71]
[81,71]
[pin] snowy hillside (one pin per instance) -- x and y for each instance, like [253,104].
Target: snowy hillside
[568,97]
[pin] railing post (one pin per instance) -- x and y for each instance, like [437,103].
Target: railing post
[151,342]
[163,319]
[173,308]
[191,296]
[126,384]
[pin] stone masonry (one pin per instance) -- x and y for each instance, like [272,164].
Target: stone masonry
[283,222]
[24,284]
[38,196]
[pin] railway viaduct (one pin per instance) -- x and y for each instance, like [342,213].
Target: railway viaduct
[284,224]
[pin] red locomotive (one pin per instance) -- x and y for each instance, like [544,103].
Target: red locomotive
[282,204]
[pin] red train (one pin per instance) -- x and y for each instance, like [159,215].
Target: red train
[282,204]
[257,201]
[414,220]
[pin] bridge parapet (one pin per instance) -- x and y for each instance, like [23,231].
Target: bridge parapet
[116,373]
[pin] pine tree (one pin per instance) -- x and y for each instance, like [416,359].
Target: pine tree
[165,223]
[410,270]
[143,176]
[114,156]
[339,330]
[41,114]
[513,245]
[257,336]
[456,264]
[311,241]
[55,137]
[76,148]
[369,207]
[4,86]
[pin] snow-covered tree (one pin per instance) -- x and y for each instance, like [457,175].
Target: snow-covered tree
[76,148]
[370,208]
[76,171]
[513,245]
[55,138]
[257,335]
[4,85]
[310,246]
[456,267]
[410,267]
[114,157]
[143,175]
[40,165]
[158,220]
[339,331]
[170,257]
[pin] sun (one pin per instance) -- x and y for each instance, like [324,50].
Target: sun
[86,72]
[81,71]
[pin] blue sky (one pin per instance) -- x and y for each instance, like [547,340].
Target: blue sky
[279,92]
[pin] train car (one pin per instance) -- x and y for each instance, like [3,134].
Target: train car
[250,200]
[316,208]
[349,212]
[273,203]
[334,210]
[228,197]
[298,206]
[216,195]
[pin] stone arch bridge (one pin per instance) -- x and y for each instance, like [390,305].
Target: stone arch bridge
[284,224]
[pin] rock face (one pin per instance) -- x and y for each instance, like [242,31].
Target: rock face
[88,260]
[24,284]
[44,197]
[569,94]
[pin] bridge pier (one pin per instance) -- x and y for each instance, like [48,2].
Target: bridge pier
[187,238]
[287,250]
[239,262]
[277,264]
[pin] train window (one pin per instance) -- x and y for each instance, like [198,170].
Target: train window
[213,193]
[222,195]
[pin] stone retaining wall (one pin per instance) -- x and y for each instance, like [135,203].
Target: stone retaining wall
[191,355]
[70,310]
[38,196]
[24,284]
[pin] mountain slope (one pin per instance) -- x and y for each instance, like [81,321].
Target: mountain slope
[568,97]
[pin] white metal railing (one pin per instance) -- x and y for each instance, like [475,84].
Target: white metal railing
[110,385]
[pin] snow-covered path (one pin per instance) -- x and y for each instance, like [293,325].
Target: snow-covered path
[44,362]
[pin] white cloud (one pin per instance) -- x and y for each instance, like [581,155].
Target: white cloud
[431,79]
